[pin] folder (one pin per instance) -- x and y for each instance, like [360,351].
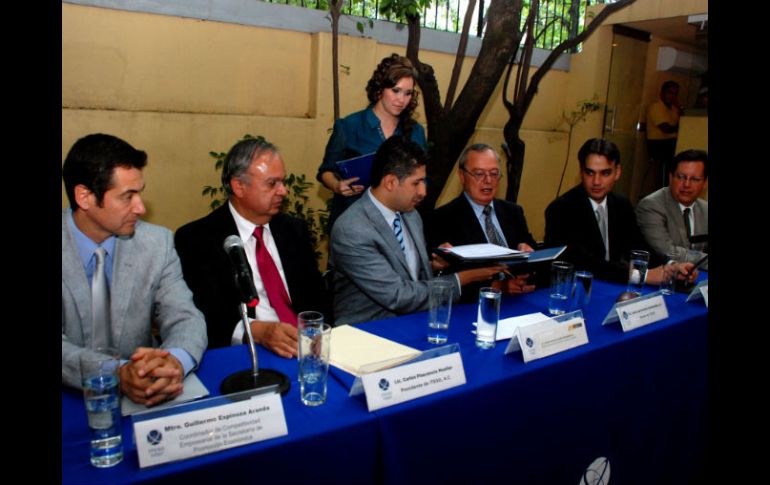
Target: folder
[486,254]
[360,167]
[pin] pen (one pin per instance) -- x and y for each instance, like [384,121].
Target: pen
[698,264]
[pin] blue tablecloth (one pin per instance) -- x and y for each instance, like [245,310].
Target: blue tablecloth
[636,399]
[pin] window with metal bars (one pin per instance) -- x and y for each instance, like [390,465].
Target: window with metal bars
[557,20]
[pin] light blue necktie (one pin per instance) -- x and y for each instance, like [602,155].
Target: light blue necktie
[398,232]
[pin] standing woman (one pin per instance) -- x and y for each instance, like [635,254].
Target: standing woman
[392,101]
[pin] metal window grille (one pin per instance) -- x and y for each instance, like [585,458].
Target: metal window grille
[557,20]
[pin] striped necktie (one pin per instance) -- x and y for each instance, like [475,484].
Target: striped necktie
[398,232]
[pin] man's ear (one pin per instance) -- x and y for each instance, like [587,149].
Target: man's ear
[84,198]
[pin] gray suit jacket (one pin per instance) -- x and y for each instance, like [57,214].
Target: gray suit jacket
[146,286]
[662,223]
[371,277]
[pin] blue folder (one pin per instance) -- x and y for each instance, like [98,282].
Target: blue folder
[360,166]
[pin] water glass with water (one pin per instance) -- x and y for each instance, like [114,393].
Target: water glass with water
[487,317]
[637,270]
[439,310]
[562,275]
[99,373]
[314,350]
[669,273]
[582,294]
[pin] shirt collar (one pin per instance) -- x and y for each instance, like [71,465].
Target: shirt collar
[245,227]
[86,246]
[682,207]
[387,213]
[596,205]
[478,209]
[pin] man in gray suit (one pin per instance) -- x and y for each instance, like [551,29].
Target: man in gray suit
[669,216]
[377,250]
[136,268]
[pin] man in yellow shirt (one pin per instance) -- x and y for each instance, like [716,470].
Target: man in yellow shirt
[662,127]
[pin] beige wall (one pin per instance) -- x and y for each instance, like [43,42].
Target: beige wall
[179,88]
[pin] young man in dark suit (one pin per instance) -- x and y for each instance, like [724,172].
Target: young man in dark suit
[576,218]
[277,247]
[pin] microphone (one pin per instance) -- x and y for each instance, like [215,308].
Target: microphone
[244,281]
[248,379]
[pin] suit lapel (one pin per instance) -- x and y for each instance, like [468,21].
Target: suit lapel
[384,230]
[411,223]
[676,215]
[124,276]
[76,282]
[473,230]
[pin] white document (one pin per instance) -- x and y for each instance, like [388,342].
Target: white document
[357,352]
[410,381]
[193,389]
[506,328]
[485,250]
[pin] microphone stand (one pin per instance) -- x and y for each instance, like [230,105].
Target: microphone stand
[253,378]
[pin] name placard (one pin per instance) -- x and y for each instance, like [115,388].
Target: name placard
[400,384]
[700,291]
[194,433]
[549,336]
[638,312]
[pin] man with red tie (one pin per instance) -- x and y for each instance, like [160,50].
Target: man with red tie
[277,247]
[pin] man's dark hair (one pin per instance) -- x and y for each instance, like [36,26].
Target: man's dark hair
[91,162]
[397,156]
[691,155]
[599,146]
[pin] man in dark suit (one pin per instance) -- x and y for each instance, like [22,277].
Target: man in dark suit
[286,278]
[475,216]
[575,219]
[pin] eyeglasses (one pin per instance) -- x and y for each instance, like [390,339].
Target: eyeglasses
[480,175]
[684,178]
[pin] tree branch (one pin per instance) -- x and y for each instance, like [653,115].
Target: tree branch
[461,48]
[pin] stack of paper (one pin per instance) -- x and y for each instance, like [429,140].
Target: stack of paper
[483,251]
[193,389]
[358,352]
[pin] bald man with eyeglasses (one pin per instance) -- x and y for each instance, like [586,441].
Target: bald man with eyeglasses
[671,215]
[476,216]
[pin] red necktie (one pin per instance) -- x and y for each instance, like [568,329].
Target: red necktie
[276,292]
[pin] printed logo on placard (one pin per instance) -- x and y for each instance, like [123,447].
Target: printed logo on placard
[154,437]
[529,342]
[384,384]
[625,315]
[597,473]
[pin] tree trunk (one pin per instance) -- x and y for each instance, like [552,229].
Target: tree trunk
[514,153]
[449,130]
[335,9]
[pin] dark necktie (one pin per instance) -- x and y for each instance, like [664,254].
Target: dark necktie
[100,303]
[397,231]
[686,216]
[271,279]
[492,236]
